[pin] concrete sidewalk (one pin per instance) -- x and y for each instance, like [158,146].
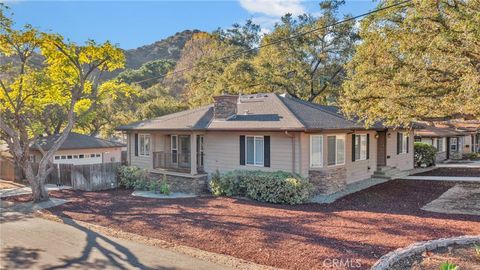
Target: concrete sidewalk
[34,243]
[443,178]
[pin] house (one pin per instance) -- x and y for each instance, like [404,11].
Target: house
[266,132]
[452,139]
[79,149]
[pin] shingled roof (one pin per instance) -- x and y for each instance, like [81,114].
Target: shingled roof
[75,141]
[256,112]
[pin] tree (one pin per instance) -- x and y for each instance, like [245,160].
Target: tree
[419,61]
[67,78]
[146,74]
[308,66]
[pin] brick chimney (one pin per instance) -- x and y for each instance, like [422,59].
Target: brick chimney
[225,106]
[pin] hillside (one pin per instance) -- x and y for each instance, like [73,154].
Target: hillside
[167,49]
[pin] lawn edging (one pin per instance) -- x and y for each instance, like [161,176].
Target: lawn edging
[389,259]
[217,258]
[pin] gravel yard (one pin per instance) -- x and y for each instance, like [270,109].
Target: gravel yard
[358,228]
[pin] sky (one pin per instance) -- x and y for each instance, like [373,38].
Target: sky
[132,24]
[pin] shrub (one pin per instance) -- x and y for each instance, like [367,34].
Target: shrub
[274,187]
[133,177]
[472,156]
[424,154]
[154,186]
[164,187]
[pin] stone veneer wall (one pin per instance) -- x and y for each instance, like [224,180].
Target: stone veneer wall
[328,180]
[440,157]
[185,184]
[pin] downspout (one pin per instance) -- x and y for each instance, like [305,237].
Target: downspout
[293,149]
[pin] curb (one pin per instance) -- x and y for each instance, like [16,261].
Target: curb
[389,259]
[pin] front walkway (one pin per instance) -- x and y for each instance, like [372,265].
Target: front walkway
[34,243]
[461,199]
[443,178]
[27,190]
[460,164]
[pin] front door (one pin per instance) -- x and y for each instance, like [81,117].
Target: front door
[382,149]
[184,157]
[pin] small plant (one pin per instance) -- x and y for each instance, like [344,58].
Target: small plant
[164,187]
[448,266]
[477,249]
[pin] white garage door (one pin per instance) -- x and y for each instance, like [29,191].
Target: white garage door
[78,159]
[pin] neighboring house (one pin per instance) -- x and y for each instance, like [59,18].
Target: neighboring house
[451,138]
[79,149]
[266,132]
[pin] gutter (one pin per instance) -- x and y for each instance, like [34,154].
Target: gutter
[293,149]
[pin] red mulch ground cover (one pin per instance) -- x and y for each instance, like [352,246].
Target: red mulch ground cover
[360,227]
[470,172]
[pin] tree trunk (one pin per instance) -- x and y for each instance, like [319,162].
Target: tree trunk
[37,182]
[39,193]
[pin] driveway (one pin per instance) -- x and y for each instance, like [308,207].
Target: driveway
[28,242]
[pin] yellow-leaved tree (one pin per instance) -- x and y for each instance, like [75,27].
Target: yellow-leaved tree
[40,73]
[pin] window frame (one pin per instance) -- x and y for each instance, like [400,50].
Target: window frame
[140,146]
[404,147]
[174,138]
[255,137]
[320,164]
[344,137]
[359,150]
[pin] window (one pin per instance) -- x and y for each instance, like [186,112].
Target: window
[97,155]
[144,145]
[336,150]
[255,150]
[361,145]
[174,149]
[64,157]
[453,144]
[69,157]
[402,143]
[440,144]
[92,155]
[75,156]
[57,157]
[316,150]
[81,156]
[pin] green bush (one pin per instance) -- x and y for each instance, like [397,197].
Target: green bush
[472,156]
[164,187]
[274,187]
[424,154]
[448,266]
[133,177]
[154,186]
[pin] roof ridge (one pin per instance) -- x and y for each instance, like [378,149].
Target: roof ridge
[315,106]
[178,114]
[285,106]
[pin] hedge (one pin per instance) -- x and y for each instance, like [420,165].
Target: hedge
[273,187]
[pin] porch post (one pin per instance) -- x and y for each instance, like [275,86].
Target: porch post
[193,153]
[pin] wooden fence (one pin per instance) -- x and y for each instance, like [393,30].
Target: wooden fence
[90,177]
[8,170]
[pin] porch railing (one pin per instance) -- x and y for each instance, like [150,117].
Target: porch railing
[178,161]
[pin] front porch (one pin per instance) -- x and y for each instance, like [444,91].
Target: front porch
[182,153]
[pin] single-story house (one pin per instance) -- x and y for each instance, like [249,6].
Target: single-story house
[451,138]
[267,132]
[79,149]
